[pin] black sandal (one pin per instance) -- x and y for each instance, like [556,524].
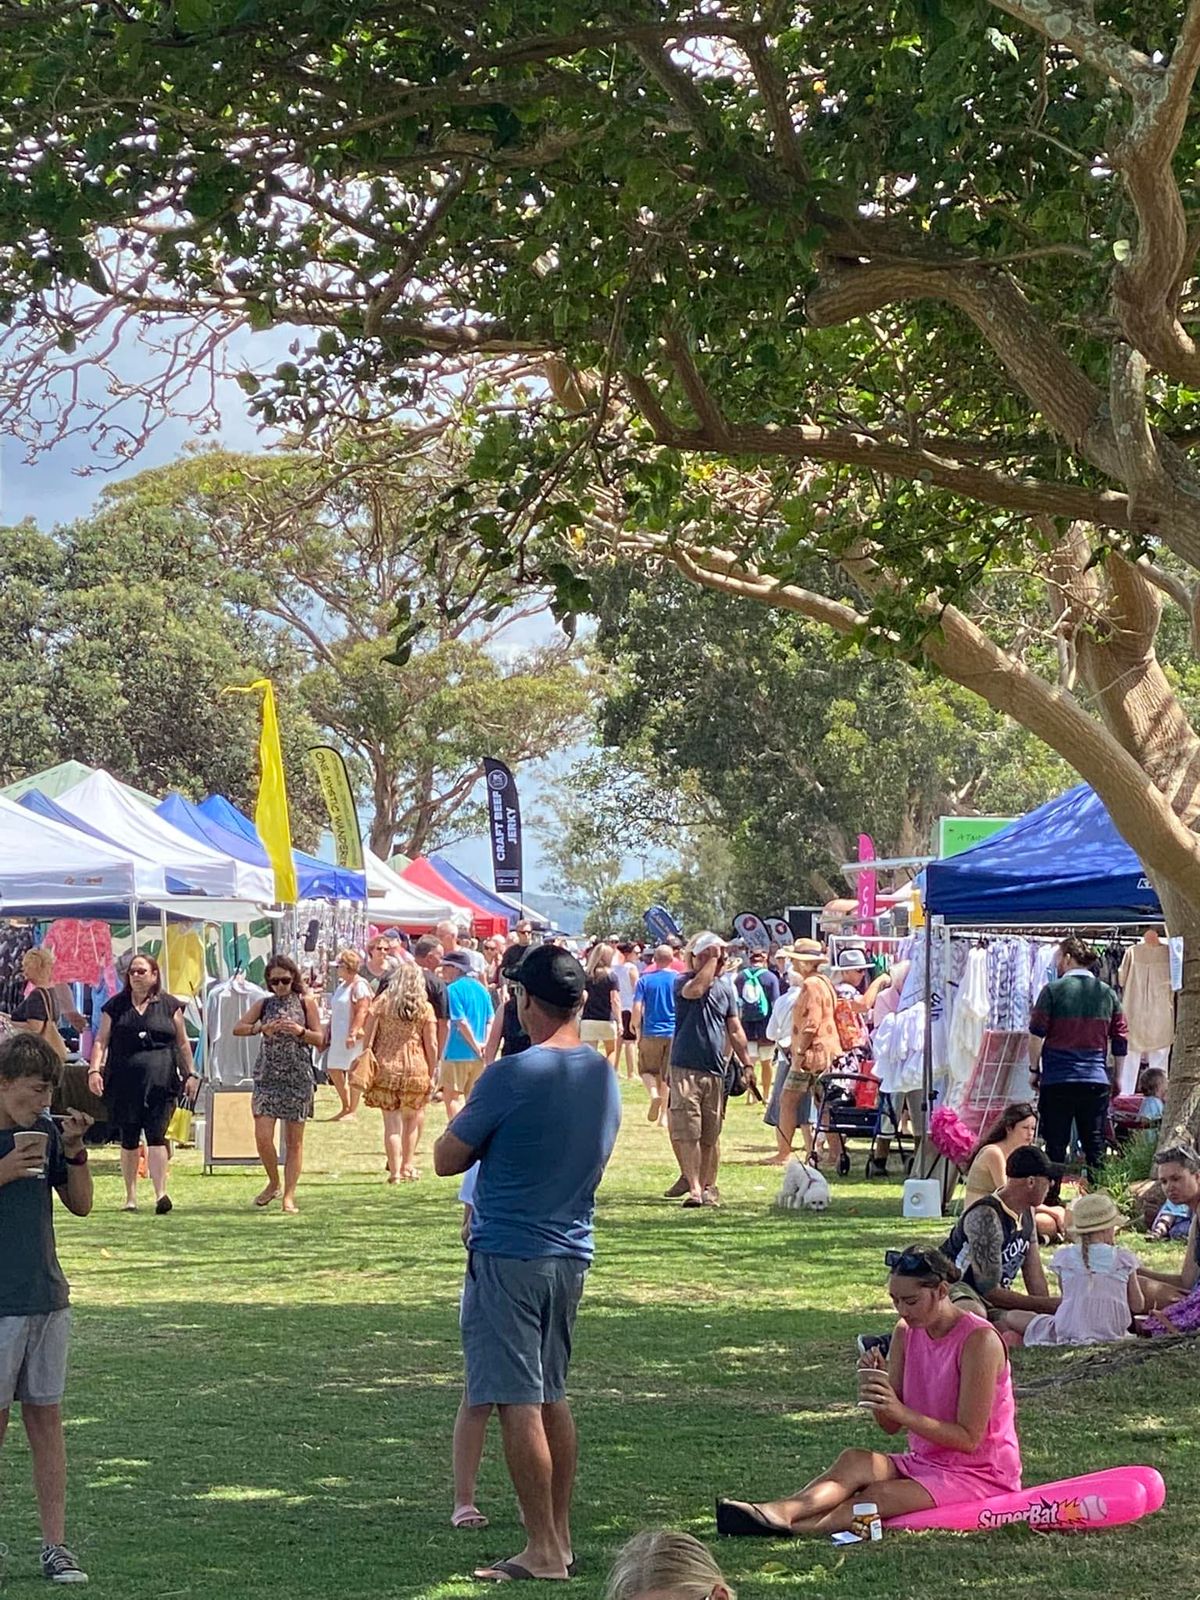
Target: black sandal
[742,1519]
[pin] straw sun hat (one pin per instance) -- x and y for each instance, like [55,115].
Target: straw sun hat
[1092,1213]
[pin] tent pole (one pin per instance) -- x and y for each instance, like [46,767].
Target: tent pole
[927,1044]
[162,924]
[133,928]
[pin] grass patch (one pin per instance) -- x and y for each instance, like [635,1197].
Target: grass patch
[262,1405]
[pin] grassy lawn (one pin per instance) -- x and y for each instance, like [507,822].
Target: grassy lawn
[262,1405]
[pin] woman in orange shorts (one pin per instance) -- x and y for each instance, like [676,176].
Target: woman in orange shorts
[397,1066]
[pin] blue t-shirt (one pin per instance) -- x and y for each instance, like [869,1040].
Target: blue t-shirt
[471,1001]
[543,1125]
[655,993]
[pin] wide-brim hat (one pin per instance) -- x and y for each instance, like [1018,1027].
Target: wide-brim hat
[807,950]
[1092,1213]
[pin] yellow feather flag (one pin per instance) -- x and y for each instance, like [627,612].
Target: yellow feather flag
[271,812]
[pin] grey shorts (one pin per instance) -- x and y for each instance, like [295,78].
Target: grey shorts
[33,1358]
[517,1321]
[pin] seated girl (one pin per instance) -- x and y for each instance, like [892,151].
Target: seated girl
[946,1382]
[1101,1293]
[662,1565]
[1013,1129]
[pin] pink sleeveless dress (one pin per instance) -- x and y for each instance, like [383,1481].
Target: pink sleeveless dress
[932,1378]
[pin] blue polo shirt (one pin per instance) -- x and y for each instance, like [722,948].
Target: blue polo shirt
[655,993]
[471,1001]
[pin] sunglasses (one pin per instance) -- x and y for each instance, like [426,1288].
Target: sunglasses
[1180,1153]
[279,983]
[140,972]
[911,1263]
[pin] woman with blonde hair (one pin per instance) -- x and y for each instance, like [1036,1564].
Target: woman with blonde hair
[600,1019]
[397,1066]
[38,1012]
[347,1021]
[671,1566]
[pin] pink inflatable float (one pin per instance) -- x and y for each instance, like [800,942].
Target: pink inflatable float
[1098,1500]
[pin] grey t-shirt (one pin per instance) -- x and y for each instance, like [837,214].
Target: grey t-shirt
[31,1280]
[701,1043]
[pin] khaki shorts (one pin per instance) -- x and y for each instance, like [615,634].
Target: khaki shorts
[697,1107]
[962,1294]
[600,1033]
[654,1056]
[459,1077]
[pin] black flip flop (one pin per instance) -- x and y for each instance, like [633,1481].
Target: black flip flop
[514,1572]
[740,1519]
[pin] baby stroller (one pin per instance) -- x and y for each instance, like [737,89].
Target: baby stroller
[853,1108]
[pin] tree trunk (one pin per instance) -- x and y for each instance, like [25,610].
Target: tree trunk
[1181,1120]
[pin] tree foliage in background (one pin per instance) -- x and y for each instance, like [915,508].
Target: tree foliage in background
[120,646]
[903,284]
[790,749]
[413,658]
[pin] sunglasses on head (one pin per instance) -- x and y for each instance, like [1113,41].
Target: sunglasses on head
[912,1263]
[1180,1153]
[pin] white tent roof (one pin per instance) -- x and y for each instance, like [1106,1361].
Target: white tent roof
[44,865]
[107,806]
[391,898]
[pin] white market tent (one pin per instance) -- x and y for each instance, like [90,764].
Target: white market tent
[391,898]
[107,808]
[45,866]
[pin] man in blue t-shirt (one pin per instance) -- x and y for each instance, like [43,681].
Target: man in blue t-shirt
[471,1013]
[542,1125]
[653,1021]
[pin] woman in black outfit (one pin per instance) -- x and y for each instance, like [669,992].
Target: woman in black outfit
[141,1061]
[506,1036]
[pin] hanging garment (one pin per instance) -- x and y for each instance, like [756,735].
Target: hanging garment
[1148,1002]
[14,942]
[230,1058]
[81,950]
[1010,999]
[183,960]
[969,1023]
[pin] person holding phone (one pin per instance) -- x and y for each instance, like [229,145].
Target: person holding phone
[37,1161]
[946,1381]
[283,1076]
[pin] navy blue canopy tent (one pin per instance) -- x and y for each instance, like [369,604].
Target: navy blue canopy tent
[1063,863]
[474,890]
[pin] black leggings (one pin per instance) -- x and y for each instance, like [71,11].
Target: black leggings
[152,1122]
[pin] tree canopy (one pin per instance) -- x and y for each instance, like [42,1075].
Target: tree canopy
[902,284]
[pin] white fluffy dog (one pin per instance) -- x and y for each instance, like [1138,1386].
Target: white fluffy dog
[804,1188]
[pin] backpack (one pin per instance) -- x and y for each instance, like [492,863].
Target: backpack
[754,996]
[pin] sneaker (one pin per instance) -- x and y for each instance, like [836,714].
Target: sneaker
[162,1206]
[866,1342]
[60,1566]
[678,1188]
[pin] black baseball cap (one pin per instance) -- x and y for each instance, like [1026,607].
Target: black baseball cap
[552,975]
[1031,1162]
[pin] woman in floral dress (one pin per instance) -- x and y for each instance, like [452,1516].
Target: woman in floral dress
[283,1075]
[397,1066]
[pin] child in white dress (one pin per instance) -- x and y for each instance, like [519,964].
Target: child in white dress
[1101,1294]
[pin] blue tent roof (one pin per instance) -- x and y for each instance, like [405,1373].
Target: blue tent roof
[474,890]
[219,823]
[1064,862]
[42,806]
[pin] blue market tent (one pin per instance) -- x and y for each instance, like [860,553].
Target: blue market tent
[1063,863]
[217,822]
[474,890]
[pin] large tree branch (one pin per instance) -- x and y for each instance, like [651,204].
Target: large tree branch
[1063,22]
[965,654]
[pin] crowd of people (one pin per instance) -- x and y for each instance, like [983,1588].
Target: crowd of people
[525,1045]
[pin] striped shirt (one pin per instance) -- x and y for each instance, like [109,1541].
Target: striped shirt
[1080,1020]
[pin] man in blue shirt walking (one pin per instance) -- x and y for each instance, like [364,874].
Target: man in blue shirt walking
[470,1019]
[542,1125]
[653,1021]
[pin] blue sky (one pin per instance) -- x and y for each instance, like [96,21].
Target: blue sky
[64,482]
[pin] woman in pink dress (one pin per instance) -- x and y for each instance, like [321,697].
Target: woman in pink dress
[947,1383]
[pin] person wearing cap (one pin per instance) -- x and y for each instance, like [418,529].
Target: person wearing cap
[470,1019]
[542,1125]
[996,1239]
[707,1028]
[1101,1293]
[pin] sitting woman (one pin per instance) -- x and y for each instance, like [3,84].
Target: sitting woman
[666,1566]
[1015,1127]
[1101,1292]
[947,1383]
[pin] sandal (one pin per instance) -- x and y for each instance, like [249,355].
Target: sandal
[468,1517]
[742,1519]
